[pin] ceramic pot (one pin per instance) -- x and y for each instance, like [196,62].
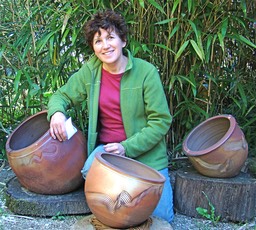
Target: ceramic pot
[44,165]
[217,147]
[120,191]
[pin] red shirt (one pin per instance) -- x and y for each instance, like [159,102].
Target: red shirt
[110,118]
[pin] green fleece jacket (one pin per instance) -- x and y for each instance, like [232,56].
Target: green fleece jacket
[144,108]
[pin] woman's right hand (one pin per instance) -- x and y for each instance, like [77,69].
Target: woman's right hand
[58,127]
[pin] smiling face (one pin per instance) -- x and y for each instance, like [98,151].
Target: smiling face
[108,47]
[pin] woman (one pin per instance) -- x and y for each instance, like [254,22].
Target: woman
[128,111]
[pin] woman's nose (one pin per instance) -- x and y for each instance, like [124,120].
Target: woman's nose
[105,44]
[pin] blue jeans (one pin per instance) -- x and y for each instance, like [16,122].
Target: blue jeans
[164,208]
[88,162]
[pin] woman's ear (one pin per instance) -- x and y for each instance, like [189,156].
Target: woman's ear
[124,42]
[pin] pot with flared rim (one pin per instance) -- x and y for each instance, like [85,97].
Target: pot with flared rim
[44,165]
[120,191]
[217,147]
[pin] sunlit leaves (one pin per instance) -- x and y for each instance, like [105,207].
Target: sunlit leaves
[181,50]
[199,49]
[157,6]
[204,51]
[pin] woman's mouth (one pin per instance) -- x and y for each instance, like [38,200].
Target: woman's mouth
[108,53]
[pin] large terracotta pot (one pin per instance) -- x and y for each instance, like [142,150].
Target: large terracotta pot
[217,147]
[44,165]
[120,191]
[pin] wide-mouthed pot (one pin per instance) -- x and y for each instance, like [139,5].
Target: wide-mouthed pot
[44,165]
[217,147]
[122,192]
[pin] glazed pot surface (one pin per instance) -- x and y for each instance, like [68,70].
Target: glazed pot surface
[44,165]
[122,192]
[217,147]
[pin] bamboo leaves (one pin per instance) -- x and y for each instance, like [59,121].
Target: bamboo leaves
[142,4]
[17,81]
[157,6]
[175,5]
[174,30]
[199,49]
[181,50]
[65,20]
[196,44]
[204,50]
[244,40]
[224,27]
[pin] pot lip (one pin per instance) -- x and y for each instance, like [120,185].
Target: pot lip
[232,126]
[10,152]
[161,179]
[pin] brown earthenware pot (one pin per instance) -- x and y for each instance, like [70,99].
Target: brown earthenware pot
[44,165]
[217,147]
[120,191]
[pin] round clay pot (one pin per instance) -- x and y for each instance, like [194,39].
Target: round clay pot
[44,165]
[217,147]
[120,191]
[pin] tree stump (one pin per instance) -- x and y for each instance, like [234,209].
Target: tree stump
[21,201]
[232,198]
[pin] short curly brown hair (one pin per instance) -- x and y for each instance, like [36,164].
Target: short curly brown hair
[107,20]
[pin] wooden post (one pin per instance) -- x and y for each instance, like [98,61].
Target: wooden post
[232,198]
[23,202]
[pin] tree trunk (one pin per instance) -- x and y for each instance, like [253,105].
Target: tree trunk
[232,198]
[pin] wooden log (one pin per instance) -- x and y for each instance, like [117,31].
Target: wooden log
[23,202]
[232,198]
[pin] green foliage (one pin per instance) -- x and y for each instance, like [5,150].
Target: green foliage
[2,212]
[204,50]
[210,215]
[58,216]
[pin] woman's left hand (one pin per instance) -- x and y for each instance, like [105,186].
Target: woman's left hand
[115,148]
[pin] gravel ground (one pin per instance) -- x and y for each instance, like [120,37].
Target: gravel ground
[11,221]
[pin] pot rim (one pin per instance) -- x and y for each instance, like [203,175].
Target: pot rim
[11,152]
[161,179]
[232,122]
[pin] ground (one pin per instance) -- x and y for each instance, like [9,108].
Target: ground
[12,221]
